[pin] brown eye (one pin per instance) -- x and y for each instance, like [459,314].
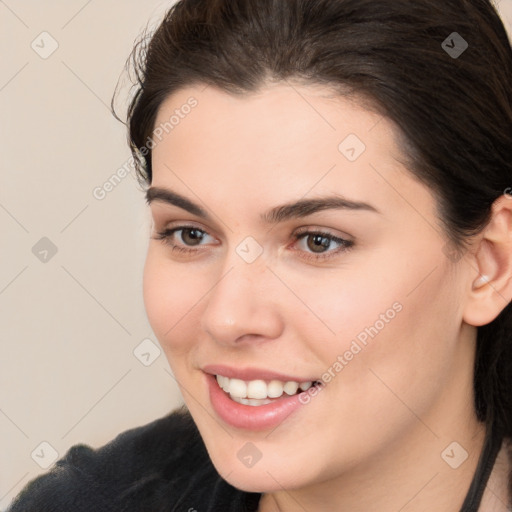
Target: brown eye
[318,243]
[184,238]
[191,236]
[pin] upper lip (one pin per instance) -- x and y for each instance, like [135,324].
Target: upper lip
[251,373]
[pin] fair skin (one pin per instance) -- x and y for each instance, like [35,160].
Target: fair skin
[372,439]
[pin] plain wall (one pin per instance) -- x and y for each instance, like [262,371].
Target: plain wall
[70,321]
[70,324]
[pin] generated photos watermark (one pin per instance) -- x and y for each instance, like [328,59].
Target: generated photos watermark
[101,192]
[357,345]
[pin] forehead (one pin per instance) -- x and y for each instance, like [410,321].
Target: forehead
[294,111]
[283,142]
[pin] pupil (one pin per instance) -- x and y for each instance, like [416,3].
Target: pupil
[191,236]
[318,243]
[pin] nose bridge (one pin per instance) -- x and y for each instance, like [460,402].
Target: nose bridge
[240,303]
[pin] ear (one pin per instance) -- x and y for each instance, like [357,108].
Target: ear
[491,276]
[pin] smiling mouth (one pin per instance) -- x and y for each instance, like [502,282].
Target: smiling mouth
[259,392]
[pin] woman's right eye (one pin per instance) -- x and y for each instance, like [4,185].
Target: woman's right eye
[183,238]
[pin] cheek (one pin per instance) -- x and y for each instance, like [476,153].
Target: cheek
[413,356]
[404,328]
[170,298]
[340,307]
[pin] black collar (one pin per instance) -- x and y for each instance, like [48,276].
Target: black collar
[493,440]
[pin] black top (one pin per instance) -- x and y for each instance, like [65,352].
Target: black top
[162,466]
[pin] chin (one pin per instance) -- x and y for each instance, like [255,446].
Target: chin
[261,480]
[268,474]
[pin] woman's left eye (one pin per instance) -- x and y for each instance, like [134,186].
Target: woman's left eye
[319,245]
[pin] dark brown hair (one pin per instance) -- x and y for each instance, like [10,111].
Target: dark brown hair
[453,113]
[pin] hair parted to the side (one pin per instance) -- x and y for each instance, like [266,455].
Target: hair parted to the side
[453,115]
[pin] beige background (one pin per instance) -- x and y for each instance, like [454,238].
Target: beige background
[71,321]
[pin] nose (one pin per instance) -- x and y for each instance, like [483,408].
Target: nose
[242,306]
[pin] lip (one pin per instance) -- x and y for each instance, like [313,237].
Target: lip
[249,417]
[251,373]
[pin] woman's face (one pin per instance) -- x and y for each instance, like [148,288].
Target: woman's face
[299,249]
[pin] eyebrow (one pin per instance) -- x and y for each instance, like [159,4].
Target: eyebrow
[296,209]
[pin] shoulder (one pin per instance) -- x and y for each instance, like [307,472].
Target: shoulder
[144,468]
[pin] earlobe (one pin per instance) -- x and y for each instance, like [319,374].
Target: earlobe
[491,287]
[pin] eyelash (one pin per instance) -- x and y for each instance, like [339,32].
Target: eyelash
[345,245]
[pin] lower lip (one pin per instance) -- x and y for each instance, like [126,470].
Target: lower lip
[250,417]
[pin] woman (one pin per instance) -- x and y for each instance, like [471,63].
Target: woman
[330,267]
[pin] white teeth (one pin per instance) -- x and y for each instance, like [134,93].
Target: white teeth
[257,389]
[251,401]
[238,388]
[223,382]
[305,386]
[290,388]
[275,389]
[220,380]
[257,392]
